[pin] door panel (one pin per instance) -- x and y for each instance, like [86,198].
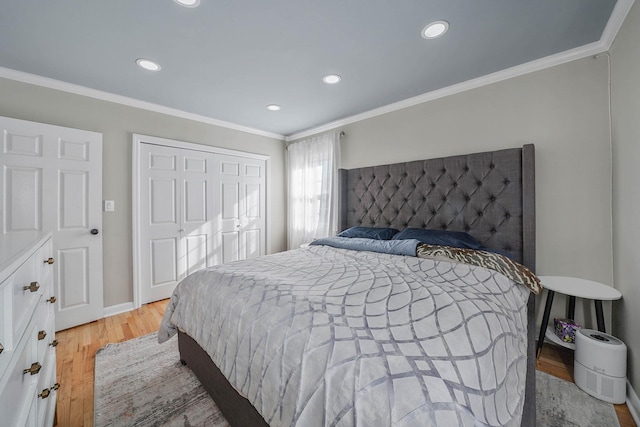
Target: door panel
[231,168]
[253,240]
[164,268]
[162,192]
[21,143]
[74,200]
[230,201]
[230,246]
[195,203]
[73,150]
[162,161]
[197,252]
[72,270]
[23,199]
[193,164]
[52,181]
[252,201]
[253,171]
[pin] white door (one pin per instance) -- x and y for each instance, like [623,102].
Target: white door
[196,208]
[52,181]
[175,217]
[239,232]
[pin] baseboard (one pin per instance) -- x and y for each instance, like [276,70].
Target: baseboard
[117,309]
[633,403]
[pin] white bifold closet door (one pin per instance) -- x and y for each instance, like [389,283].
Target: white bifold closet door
[197,209]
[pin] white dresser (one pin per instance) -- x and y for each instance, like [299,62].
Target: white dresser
[27,330]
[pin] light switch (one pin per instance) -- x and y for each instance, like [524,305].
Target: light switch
[109,205]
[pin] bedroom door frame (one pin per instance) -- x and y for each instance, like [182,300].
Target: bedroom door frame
[137,141]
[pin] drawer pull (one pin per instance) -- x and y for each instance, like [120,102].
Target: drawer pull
[52,300]
[34,369]
[33,287]
[54,343]
[41,335]
[49,261]
[47,392]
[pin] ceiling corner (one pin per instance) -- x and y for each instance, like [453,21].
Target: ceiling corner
[619,14]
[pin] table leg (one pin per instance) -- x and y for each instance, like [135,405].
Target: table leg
[599,315]
[572,307]
[545,321]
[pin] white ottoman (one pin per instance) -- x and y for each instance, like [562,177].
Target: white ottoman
[600,366]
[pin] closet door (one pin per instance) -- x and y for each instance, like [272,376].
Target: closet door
[175,216]
[160,194]
[196,209]
[196,233]
[240,232]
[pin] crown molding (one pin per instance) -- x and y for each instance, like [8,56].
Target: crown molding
[620,11]
[49,83]
[619,14]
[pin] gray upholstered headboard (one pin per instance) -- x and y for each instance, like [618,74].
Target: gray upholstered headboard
[490,195]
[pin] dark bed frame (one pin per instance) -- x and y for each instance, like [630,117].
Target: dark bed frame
[490,195]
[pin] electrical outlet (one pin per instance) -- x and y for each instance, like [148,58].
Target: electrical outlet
[109,205]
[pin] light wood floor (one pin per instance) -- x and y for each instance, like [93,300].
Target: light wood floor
[77,348]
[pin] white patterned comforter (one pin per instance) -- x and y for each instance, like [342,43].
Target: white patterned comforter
[331,337]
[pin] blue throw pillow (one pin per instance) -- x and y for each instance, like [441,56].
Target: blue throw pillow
[456,239]
[376,233]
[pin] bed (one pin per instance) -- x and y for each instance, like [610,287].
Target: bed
[489,195]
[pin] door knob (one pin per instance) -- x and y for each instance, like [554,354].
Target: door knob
[94,231]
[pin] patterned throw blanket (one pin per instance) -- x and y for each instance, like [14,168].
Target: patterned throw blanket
[333,337]
[496,262]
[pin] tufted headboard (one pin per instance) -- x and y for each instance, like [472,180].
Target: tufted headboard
[490,195]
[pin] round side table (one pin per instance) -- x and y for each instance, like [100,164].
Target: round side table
[575,288]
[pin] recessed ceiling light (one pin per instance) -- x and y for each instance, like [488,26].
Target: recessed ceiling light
[435,29]
[331,79]
[188,3]
[147,64]
[273,107]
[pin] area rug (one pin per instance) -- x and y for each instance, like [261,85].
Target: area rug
[561,403]
[142,383]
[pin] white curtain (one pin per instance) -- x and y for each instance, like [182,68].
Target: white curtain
[313,188]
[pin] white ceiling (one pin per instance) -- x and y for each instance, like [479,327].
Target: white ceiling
[228,59]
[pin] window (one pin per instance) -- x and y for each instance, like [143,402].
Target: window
[312,195]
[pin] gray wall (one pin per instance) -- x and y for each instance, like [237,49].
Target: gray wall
[117,123]
[562,110]
[625,67]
